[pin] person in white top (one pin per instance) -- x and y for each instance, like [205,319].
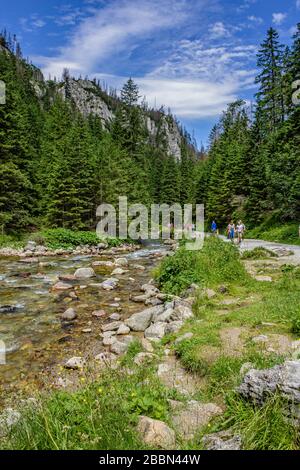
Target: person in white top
[240,231]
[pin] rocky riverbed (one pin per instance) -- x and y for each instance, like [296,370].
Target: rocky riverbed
[55,307]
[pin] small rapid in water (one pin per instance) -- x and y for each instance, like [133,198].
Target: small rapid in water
[35,337]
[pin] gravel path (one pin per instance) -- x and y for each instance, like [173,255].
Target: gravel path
[250,244]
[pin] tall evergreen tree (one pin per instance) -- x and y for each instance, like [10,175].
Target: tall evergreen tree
[270,100]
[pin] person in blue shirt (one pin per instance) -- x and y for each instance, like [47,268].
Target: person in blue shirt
[214,227]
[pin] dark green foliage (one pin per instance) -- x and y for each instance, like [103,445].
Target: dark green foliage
[57,166]
[253,168]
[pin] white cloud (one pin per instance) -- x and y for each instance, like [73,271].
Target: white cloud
[278,18]
[245,5]
[111,30]
[298,4]
[197,81]
[32,23]
[38,23]
[218,30]
[256,19]
[194,78]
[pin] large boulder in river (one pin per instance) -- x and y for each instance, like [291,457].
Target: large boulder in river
[84,273]
[141,320]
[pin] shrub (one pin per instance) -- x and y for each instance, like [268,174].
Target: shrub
[217,262]
[65,238]
[258,253]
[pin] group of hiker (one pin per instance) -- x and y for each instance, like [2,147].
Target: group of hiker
[233,231]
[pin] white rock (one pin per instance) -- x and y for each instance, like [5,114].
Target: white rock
[75,363]
[109,340]
[111,326]
[123,330]
[69,314]
[141,320]
[164,316]
[115,316]
[156,433]
[156,331]
[119,271]
[173,327]
[84,273]
[110,283]
[121,262]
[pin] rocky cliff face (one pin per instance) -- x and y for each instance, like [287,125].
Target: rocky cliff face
[85,94]
[89,99]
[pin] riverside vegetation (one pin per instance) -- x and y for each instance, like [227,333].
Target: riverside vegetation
[238,323]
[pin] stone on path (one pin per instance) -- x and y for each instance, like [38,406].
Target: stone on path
[156,433]
[106,358]
[119,271]
[147,346]
[173,375]
[210,293]
[193,417]
[115,316]
[173,327]
[223,440]
[99,313]
[67,277]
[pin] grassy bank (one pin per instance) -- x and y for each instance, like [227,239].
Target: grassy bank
[287,233]
[58,238]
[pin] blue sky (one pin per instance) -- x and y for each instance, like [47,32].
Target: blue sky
[194,56]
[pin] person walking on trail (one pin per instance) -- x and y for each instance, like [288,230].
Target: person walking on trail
[240,231]
[231,231]
[214,228]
